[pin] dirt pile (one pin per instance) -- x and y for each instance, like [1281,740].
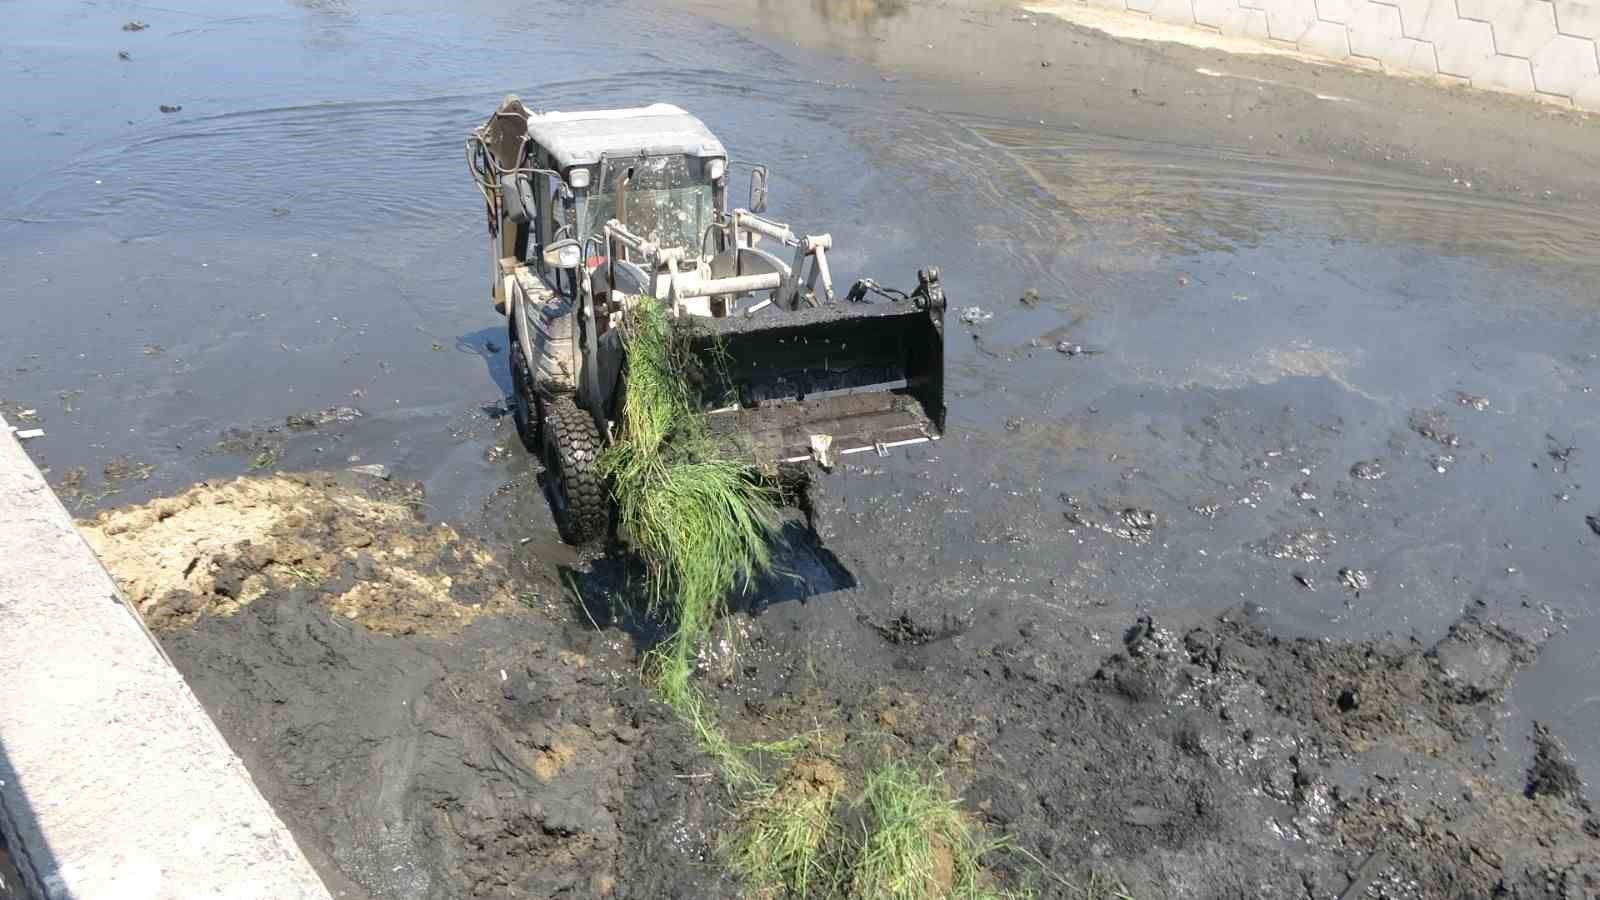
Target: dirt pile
[356,543]
[426,729]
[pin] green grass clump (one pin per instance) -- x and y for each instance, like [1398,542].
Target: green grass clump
[701,520]
[787,834]
[917,845]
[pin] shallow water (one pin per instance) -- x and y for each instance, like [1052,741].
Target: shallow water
[303,235]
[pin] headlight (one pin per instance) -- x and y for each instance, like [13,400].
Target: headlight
[578,178]
[715,168]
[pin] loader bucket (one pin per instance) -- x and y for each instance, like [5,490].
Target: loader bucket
[865,376]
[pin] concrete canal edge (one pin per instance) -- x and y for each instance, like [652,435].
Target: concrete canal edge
[114,783]
[1545,49]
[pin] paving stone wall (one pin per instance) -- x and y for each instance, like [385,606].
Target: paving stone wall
[1548,48]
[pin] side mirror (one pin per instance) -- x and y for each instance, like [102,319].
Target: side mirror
[758,190]
[563,254]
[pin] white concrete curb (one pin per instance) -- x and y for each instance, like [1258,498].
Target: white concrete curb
[114,783]
[1548,49]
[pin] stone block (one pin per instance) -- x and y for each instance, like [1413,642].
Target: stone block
[1288,20]
[1580,18]
[1410,55]
[1413,15]
[1521,28]
[1180,11]
[1462,47]
[1214,13]
[1437,18]
[1484,10]
[1587,96]
[1335,10]
[1563,64]
[1248,22]
[1504,73]
[1328,39]
[1373,27]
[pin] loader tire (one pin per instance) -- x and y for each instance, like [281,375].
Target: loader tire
[524,397]
[570,449]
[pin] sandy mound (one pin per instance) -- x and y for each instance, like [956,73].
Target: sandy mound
[353,543]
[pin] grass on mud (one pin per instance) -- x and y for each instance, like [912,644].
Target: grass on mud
[702,522]
[903,837]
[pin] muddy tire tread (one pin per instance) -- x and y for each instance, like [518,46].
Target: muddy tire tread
[572,432]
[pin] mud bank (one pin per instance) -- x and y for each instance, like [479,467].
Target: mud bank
[426,728]
[430,726]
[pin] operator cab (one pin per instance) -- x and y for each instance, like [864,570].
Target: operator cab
[656,169]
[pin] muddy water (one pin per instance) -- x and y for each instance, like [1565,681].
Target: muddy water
[1265,300]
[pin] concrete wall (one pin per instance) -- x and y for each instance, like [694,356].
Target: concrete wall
[114,783]
[1544,48]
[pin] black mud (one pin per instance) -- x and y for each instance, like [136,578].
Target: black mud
[508,749]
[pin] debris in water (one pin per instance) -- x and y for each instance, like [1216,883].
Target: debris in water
[376,470]
[154,349]
[1473,400]
[1440,462]
[124,55]
[1354,579]
[972,315]
[1305,545]
[166,108]
[1302,491]
[1561,455]
[327,416]
[1014,423]
[30,433]
[134,25]
[1368,470]
[1435,427]
[491,346]
[1305,581]
[1594,523]
[1030,297]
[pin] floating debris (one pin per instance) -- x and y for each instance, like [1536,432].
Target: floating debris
[328,416]
[166,108]
[1368,470]
[1441,462]
[134,25]
[1030,297]
[1473,400]
[1305,581]
[28,434]
[1594,523]
[1435,427]
[1354,579]
[972,315]
[124,55]
[1307,545]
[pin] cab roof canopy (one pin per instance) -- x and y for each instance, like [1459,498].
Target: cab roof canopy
[580,138]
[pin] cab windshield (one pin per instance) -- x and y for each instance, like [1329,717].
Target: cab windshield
[667,200]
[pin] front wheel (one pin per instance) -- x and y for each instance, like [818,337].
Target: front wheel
[570,449]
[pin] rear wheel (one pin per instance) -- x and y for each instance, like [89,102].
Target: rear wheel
[524,400]
[570,447]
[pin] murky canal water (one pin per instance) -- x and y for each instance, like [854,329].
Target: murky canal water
[302,235]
